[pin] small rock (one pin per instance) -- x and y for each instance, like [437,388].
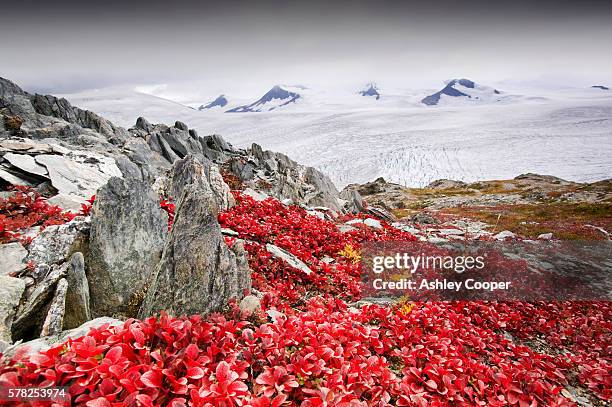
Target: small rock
[229,232]
[373,223]
[406,228]
[181,126]
[6,194]
[354,221]
[381,214]
[451,232]
[503,235]
[29,146]
[257,293]
[275,315]
[327,260]
[601,230]
[436,240]
[423,218]
[570,393]
[12,178]
[257,196]
[318,214]
[346,228]
[13,256]
[288,257]
[250,305]
[26,163]
[66,202]
[143,124]
[545,236]
[287,201]
[79,174]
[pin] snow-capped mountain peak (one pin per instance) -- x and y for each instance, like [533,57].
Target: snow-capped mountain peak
[276,97]
[370,90]
[462,89]
[220,101]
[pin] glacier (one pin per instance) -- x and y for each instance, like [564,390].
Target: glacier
[563,132]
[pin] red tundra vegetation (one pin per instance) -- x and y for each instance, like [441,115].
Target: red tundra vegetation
[25,208]
[316,349]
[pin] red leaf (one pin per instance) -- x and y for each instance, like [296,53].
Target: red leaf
[152,378]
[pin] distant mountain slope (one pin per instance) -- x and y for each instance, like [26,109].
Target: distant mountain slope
[220,101]
[370,90]
[274,98]
[463,89]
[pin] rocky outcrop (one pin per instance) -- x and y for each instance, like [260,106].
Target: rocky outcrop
[104,264]
[128,230]
[75,174]
[198,272]
[279,176]
[378,198]
[445,193]
[446,184]
[81,151]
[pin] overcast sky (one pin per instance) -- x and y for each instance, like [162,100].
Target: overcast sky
[234,46]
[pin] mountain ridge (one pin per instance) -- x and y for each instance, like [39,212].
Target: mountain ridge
[282,96]
[456,88]
[220,101]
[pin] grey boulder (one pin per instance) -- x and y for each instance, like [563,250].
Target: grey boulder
[198,272]
[128,230]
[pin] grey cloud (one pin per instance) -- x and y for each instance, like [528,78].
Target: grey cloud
[64,46]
